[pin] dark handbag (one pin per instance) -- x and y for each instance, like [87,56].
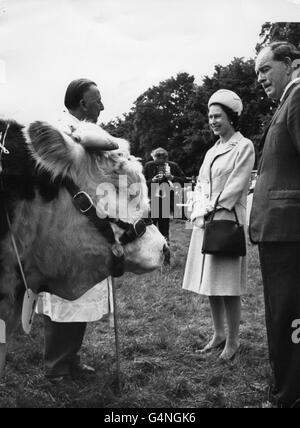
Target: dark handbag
[224,237]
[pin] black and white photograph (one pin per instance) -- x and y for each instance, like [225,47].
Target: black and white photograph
[149,206]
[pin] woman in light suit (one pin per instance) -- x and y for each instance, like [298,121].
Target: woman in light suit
[226,170]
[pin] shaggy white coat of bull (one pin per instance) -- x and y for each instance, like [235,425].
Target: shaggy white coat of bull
[61,250]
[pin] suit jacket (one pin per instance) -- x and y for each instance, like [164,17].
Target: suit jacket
[275,214]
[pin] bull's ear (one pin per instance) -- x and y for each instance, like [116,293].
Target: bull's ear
[53,150]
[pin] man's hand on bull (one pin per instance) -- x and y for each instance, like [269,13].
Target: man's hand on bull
[95,138]
[92,137]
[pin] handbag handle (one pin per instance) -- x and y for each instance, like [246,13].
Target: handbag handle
[215,210]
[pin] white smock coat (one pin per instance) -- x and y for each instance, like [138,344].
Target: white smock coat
[227,170]
[95,303]
[92,306]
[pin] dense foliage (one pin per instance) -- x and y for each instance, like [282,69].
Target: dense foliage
[173,114]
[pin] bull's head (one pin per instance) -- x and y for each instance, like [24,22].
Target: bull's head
[66,254]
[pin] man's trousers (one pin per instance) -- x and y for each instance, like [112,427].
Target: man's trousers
[280,265]
[62,343]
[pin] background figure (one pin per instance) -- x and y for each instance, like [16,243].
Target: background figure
[160,175]
[225,174]
[275,218]
[65,322]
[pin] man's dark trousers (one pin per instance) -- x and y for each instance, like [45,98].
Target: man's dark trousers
[62,343]
[275,226]
[280,264]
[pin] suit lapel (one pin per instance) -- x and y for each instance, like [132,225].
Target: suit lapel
[263,139]
[289,91]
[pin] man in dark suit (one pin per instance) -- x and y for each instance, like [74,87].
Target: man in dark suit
[275,219]
[160,175]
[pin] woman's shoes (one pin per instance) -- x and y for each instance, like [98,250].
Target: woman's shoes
[82,370]
[229,358]
[212,347]
[225,356]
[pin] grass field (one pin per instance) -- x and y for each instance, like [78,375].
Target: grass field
[161,326]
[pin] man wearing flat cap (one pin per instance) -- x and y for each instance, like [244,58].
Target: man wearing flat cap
[275,218]
[160,175]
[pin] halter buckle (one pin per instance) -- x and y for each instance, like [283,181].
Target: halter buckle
[83,201]
[3,149]
[117,250]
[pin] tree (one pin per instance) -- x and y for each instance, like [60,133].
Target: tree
[239,76]
[165,115]
[271,32]
[160,112]
[173,114]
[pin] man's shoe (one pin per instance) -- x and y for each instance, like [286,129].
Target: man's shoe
[82,370]
[59,380]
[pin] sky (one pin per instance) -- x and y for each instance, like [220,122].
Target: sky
[126,46]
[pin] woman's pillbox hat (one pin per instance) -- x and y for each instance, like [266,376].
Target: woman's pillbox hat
[227,98]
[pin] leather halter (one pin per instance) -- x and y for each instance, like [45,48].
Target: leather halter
[84,203]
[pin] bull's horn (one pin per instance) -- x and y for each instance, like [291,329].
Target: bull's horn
[94,138]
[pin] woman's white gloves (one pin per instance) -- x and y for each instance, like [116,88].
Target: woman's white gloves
[198,213]
[199,222]
[200,210]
